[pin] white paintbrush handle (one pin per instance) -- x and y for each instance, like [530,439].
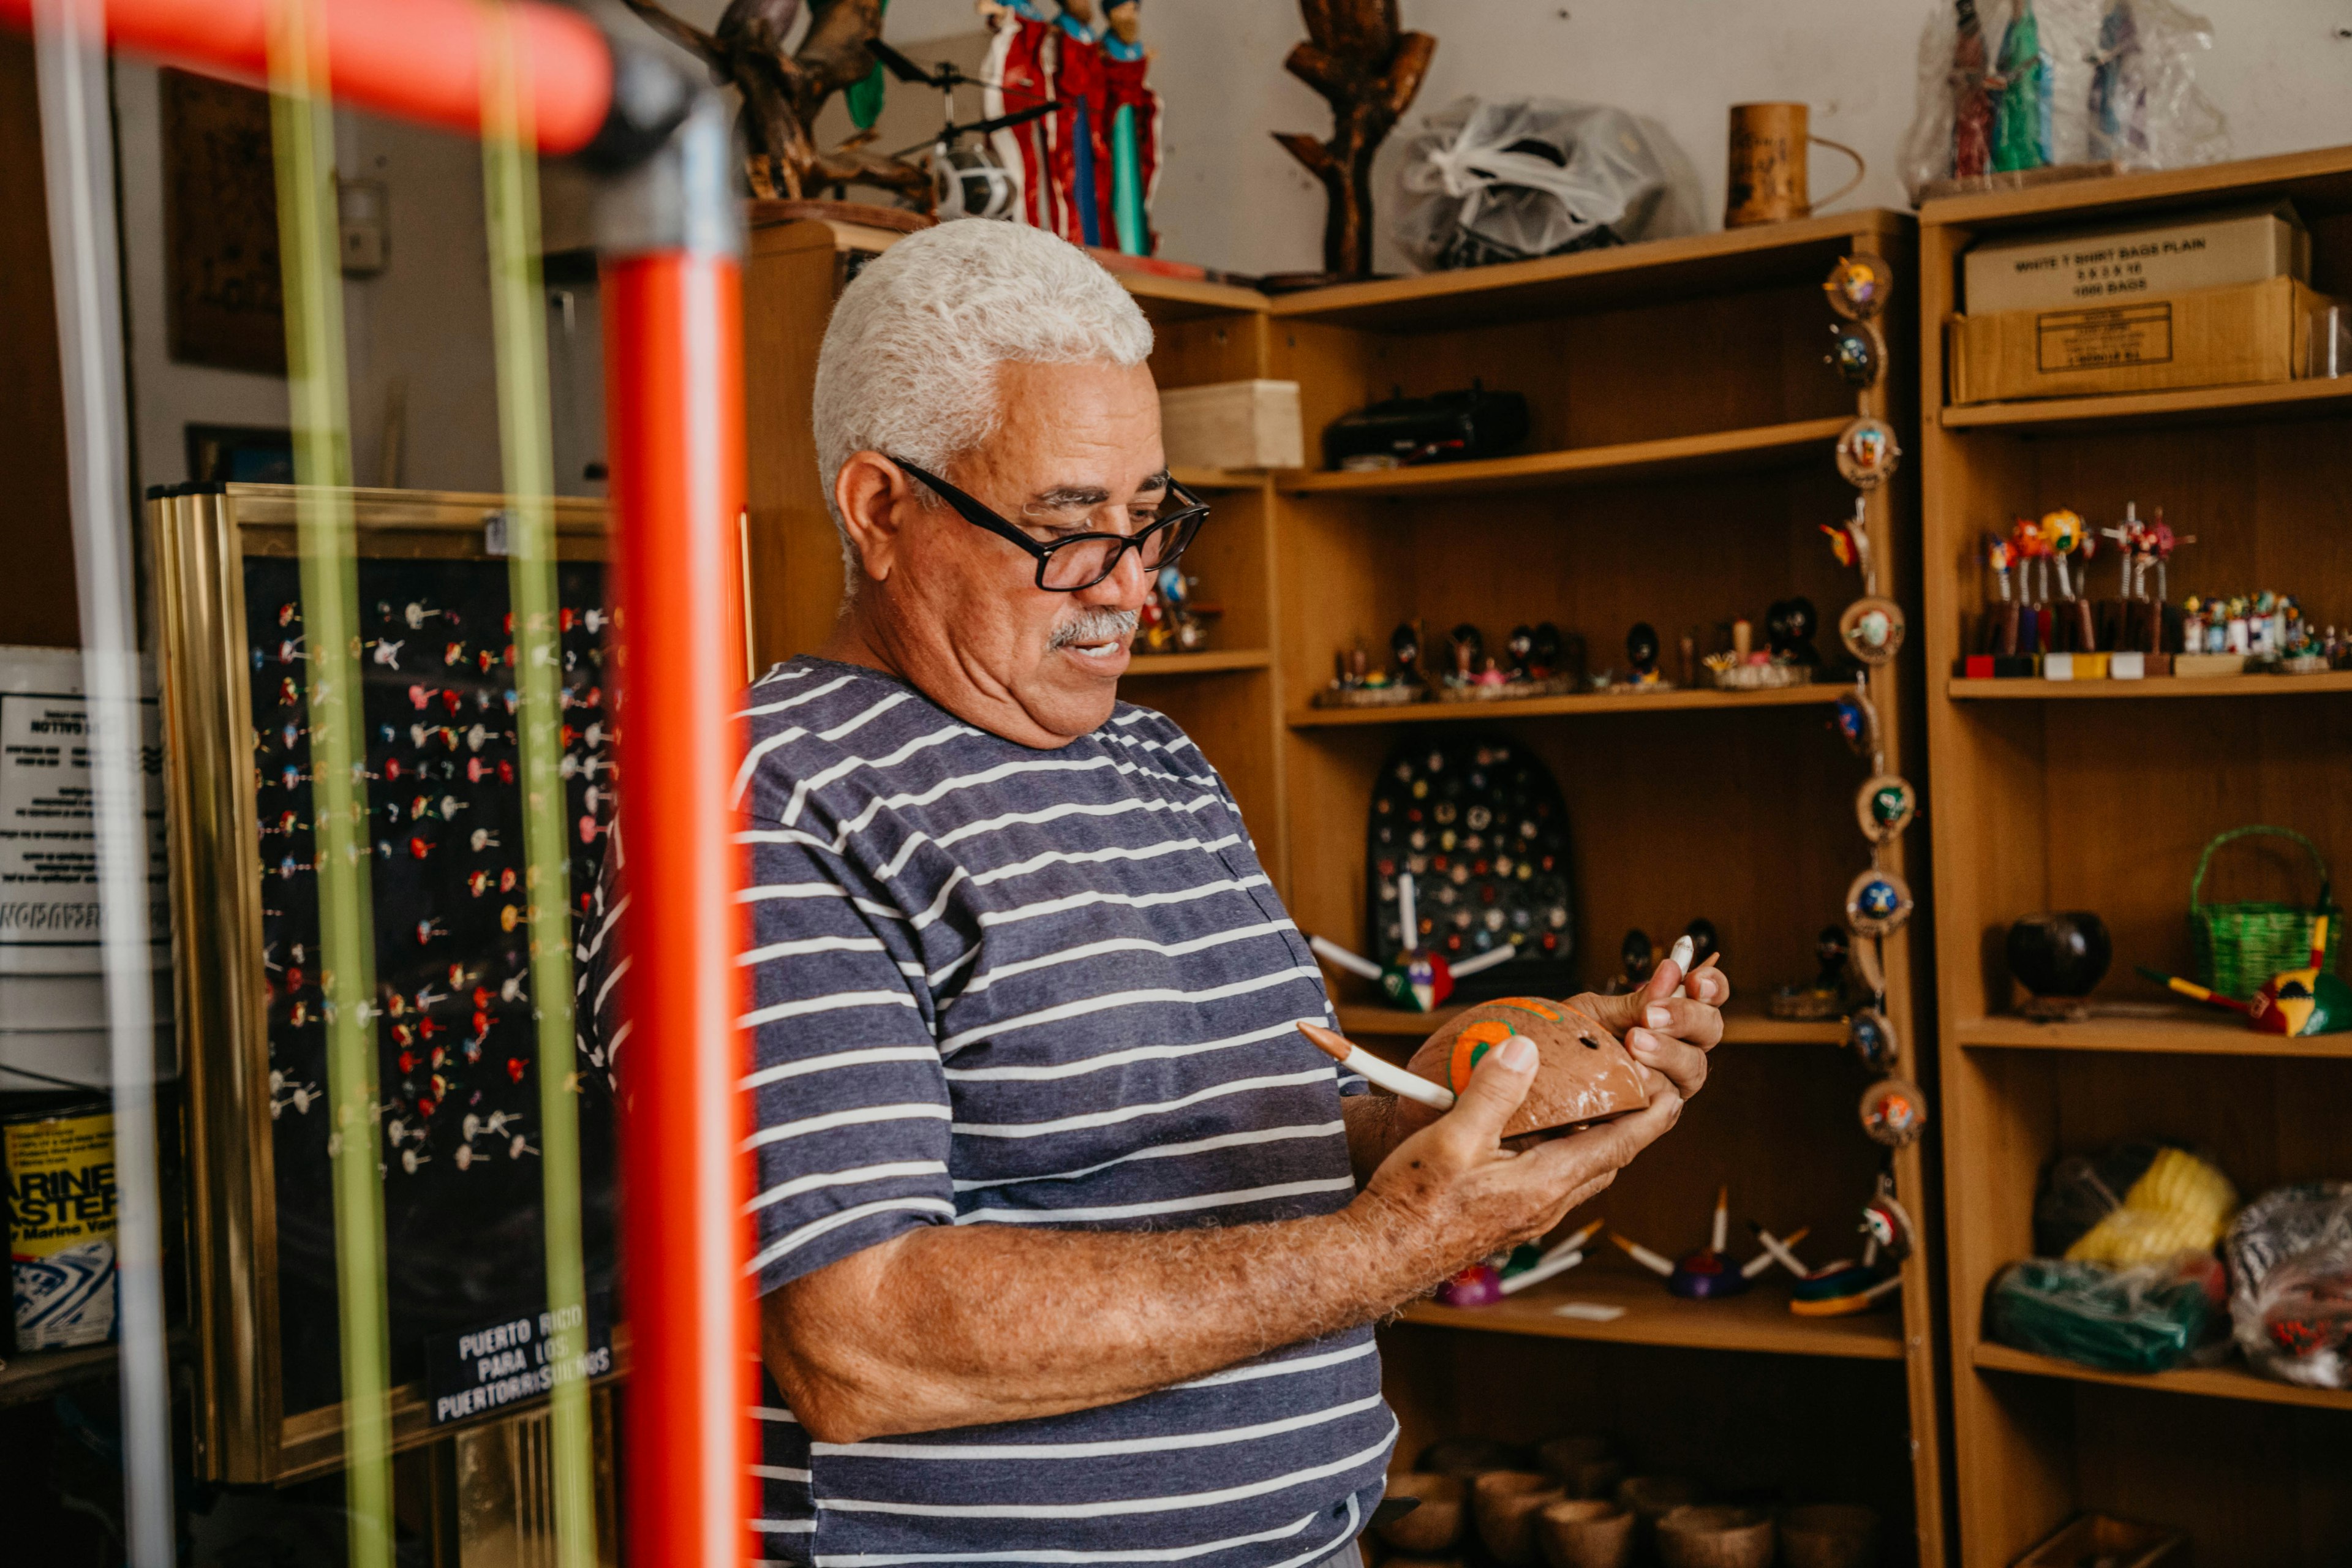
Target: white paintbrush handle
[1486,960]
[1542,1271]
[1333,953]
[1397,1082]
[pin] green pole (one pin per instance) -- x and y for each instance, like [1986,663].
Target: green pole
[1127,184]
[517,305]
[302,127]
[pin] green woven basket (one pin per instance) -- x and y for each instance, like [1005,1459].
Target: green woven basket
[2241,946]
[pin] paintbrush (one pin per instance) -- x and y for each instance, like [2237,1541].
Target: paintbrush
[1353,1057]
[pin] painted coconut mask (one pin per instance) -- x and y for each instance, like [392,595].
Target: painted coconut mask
[1584,1073]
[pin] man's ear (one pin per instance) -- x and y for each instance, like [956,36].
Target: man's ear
[869,490]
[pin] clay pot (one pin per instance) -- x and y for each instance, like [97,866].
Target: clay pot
[1436,1524]
[1583,1073]
[1585,1532]
[1650,1499]
[1505,1503]
[1829,1535]
[1468,1457]
[1583,1464]
[1699,1536]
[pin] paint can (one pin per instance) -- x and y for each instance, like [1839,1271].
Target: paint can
[57,1172]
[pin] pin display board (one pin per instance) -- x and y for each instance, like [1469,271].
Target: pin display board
[457,1116]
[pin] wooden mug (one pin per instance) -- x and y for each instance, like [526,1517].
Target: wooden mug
[1769,148]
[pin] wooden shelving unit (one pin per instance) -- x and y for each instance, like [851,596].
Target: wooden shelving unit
[1679,466]
[2096,795]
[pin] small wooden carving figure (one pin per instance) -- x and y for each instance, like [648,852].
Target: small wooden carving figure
[782,93]
[1077,145]
[1367,69]
[1015,73]
[1134,113]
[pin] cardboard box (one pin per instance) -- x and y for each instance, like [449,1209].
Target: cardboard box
[2117,263]
[2209,337]
[1233,425]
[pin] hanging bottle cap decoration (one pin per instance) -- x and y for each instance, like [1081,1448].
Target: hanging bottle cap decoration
[1885,806]
[1872,630]
[1872,1034]
[1889,1224]
[1855,352]
[1869,968]
[1892,1112]
[1859,286]
[1868,453]
[1857,721]
[1878,903]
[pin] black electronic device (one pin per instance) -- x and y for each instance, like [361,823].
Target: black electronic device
[1448,428]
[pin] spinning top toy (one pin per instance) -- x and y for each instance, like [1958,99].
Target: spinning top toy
[2297,1003]
[1418,980]
[1476,1286]
[1855,352]
[1707,1274]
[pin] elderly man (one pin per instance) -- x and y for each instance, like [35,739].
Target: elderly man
[1070,1245]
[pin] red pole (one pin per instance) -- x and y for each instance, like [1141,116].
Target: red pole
[675,411]
[417,59]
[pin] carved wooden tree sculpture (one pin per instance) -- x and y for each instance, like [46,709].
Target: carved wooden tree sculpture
[781,93]
[1368,71]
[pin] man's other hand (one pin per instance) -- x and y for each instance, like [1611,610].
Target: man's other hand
[1451,1195]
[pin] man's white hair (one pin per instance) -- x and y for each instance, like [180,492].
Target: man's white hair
[909,365]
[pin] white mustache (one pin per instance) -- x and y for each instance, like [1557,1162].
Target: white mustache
[1092,626]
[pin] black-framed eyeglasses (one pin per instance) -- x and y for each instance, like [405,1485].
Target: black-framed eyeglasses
[1082,560]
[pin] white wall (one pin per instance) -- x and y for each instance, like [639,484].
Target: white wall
[1228,195]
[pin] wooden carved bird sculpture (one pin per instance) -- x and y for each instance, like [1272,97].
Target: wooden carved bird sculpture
[783,92]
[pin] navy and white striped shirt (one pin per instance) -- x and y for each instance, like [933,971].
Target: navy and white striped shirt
[999,986]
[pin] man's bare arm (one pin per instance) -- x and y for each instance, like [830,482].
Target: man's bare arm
[960,1325]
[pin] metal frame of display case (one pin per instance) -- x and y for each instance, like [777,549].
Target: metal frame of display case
[201,536]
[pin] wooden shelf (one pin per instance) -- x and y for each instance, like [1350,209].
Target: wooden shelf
[2201,404]
[1208,662]
[1183,299]
[1740,1027]
[1616,275]
[1718,451]
[2155,1029]
[1217,479]
[2319,183]
[2229,1381]
[37,1375]
[2031,690]
[1670,700]
[1759,1320]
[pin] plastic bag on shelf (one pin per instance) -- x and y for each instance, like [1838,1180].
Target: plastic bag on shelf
[2135,1203]
[1484,183]
[2010,86]
[2291,1283]
[2146,1318]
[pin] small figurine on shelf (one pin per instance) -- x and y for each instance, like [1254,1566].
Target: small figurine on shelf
[1522,647]
[1824,997]
[1469,652]
[1356,684]
[1788,629]
[1642,653]
[1635,959]
[2063,532]
[2297,1003]
[1172,620]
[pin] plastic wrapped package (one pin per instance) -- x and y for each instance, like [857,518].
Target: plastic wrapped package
[2291,1283]
[2135,1203]
[2010,86]
[1484,183]
[2146,1318]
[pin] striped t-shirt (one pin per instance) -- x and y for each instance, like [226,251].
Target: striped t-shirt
[996,985]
